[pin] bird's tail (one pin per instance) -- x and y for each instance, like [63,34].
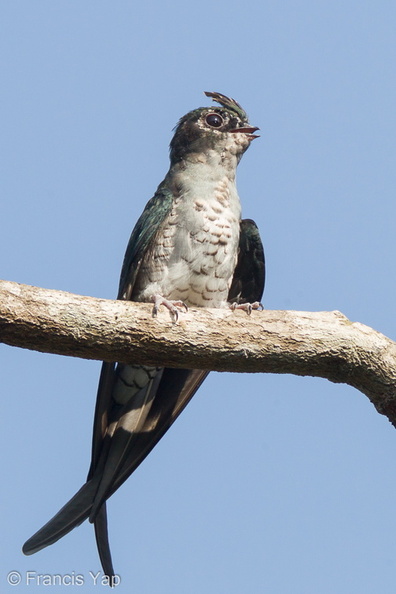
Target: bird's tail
[102,542]
[71,515]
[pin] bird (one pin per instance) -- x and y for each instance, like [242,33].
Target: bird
[189,248]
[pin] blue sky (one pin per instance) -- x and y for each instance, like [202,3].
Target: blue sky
[267,483]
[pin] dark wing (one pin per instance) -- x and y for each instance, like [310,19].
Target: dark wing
[249,275]
[148,225]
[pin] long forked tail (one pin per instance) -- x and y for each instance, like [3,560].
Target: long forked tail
[71,515]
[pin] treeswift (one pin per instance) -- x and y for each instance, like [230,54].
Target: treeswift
[188,248]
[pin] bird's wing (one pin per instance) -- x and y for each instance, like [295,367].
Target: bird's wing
[249,275]
[146,228]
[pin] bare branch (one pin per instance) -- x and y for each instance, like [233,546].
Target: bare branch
[323,344]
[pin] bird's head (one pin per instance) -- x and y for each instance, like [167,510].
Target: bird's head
[224,129]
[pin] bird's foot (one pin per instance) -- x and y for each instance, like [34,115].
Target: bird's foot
[172,305]
[248,307]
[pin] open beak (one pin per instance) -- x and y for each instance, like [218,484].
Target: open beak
[249,130]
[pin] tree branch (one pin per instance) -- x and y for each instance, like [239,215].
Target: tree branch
[322,344]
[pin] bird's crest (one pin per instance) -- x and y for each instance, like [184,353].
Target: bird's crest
[229,103]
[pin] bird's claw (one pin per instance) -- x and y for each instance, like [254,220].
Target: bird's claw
[171,305]
[248,307]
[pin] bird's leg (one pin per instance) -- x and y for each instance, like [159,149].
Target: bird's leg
[172,305]
[248,307]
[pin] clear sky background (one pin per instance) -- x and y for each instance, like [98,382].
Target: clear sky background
[267,483]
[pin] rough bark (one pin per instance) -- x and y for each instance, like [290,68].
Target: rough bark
[323,344]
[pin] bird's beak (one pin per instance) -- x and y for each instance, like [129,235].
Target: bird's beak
[249,130]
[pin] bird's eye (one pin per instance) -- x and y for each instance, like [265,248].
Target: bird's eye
[215,120]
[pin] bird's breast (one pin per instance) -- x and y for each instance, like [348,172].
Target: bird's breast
[194,255]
